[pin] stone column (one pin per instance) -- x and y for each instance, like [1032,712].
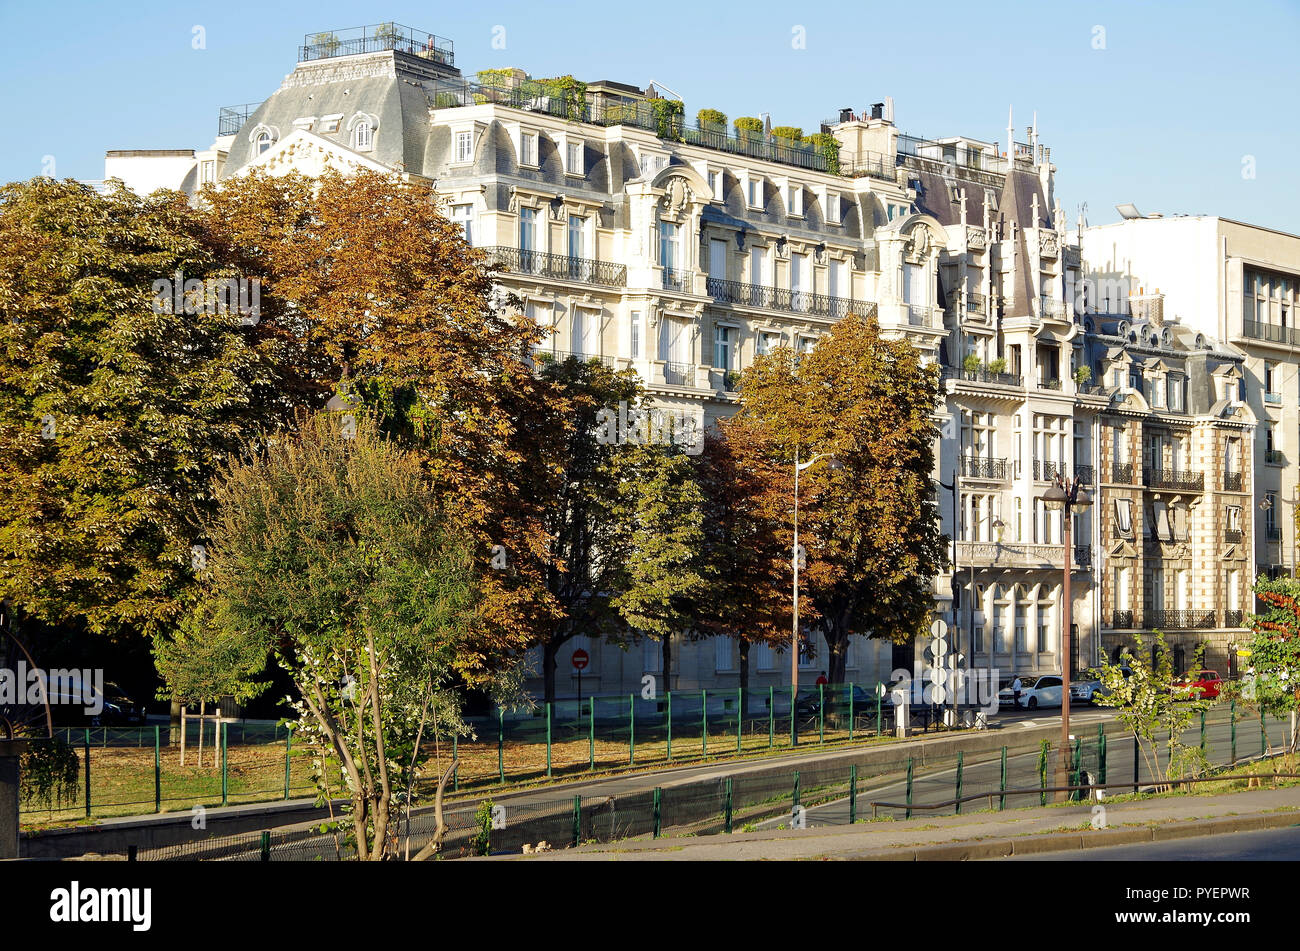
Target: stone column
[10,751]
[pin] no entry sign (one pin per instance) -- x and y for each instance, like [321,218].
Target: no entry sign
[580,659]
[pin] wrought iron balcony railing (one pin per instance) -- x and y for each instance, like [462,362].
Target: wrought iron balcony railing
[1272,333]
[1179,619]
[1085,474]
[679,374]
[1173,479]
[1049,384]
[1121,619]
[375,39]
[1234,617]
[982,376]
[1274,457]
[1232,481]
[1273,398]
[976,467]
[1273,533]
[778,298]
[1232,535]
[674,279]
[1083,556]
[1047,471]
[559,266]
[1122,472]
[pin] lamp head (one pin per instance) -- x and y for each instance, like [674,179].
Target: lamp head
[1054,498]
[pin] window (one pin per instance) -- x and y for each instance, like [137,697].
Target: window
[767,342]
[651,655]
[573,158]
[1160,519]
[800,282]
[754,193]
[577,233]
[724,356]
[463,215]
[635,334]
[363,136]
[760,267]
[330,123]
[262,143]
[207,172]
[722,657]
[464,147]
[806,344]
[717,259]
[528,148]
[837,279]
[762,656]
[1175,401]
[669,241]
[1233,514]
[1121,592]
[832,210]
[715,184]
[652,164]
[1124,517]
[527,232]
[794,200]
[586,332]
[806,658]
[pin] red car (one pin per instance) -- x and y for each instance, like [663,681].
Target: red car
[1203,687]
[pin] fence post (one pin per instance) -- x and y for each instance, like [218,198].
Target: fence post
[821,714]
[794,740]
[704,722]
[670,726]
[455,755]
[796,792]
[1043,773]
[850,711]
[658,800]
[1232,717]
[225,738]
[853,794]
[740,717]
[1136,753]
[1263,735]
[631,729]
[591,732]
[157,770]
[548,737]
[86,750]
[266,846]
[880,696]
[501,744]
[728,806]
[1101,754]
[960,764]
[908,815]
[288,738]
[1002,782]
[771,716]
[1077,772]
[1202,731]
[577,820]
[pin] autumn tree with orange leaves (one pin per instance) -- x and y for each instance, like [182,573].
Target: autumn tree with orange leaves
[1272,682]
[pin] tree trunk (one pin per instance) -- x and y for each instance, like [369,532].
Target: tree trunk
[434,845]
[744,664]
[550,649]
[174,727]
[668,661]
[837,646]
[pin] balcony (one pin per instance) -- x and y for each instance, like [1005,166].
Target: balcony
[1049,307]
[1122,472]
[1273,533]
[1232,536]
[974,467]
[1272,333]
[1234,617]
[1273,572]
[1048,471]
[1084,474]
[1122,620]
[1232,482]
[1049,385]
[559,356]
[982,376]
[1274,457]
[776,298]
[1173,479]
[1181,619]
[1018,555]
[559,267]
[674,279]
[679,374]
[919,315]
[1274,399]
[230,119]
[375,39]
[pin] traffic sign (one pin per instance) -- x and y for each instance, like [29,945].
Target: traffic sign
[580,659]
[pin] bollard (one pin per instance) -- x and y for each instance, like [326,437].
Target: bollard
[728,806]
[909,788]
[670,726]
[704,722]
[960,763]
[1232,718]
[796,791]
[266,847]
[157,770]
[548,739]
[631,729]
[1002,783]
[658,801]
[288,734]
[853,794]
[740,716]
[577,820]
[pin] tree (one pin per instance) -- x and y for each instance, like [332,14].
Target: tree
[869,528]
[1144,701]
[585,550]
[385,299]
[201,661]
[747,538]
[116,407]
[658,572]
[1273,682]
[341,558]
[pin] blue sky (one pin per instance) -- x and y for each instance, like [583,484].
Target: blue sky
[1167,115]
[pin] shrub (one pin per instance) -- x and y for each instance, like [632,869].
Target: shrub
[791,133]
[711,119]
[998,366]
[971,364]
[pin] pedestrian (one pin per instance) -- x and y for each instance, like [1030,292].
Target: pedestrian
[821,679]
[1016,687]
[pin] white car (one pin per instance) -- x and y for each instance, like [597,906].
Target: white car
[1035,692]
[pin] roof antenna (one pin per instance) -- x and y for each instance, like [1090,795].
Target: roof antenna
[658,85]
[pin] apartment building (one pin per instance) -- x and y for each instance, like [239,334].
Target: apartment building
[683,248]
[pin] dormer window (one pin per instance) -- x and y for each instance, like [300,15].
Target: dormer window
[794,200]
[528,148]
[464,147]
[330,123]
[363,136]
[573,164]
[262,143]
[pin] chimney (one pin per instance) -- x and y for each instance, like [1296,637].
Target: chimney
[846,115]
[877,110]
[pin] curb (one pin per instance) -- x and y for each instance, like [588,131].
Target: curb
[1048,842]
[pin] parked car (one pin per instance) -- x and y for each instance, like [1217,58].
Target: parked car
[837,700]
[1204,686]
[1035,691]
[1088,689]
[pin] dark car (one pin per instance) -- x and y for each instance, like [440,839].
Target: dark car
[837,701]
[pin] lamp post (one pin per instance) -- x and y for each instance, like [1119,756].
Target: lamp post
[1066,497]
[794,637]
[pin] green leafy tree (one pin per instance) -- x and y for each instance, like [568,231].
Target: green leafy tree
[337,555]
[1272,683]
[659,515]
[201,661]
[868,522]
[1146,703]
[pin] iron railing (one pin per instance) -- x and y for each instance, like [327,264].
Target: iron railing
[674,279]
[1085,474]
[1272,333]
[1049,384]
[1122,472]
[1083,556]
[1179,619]
[559,266]
[1047,471]
[1232,481]
[777,298]
[559,356]
[1234,617]
[1172,479]
[1274,398]
[377,38]
[1273,533]
[679,374]
[1232,535]
[975,467]
[982,376]
[1121,619]
[230,119]
[1274,457]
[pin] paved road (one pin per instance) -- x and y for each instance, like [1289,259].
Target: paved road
[1265,845]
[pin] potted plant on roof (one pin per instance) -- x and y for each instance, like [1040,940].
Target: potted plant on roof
[711,120]
[749,130]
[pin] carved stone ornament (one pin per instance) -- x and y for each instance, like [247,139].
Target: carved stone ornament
[676,199]
[976,239]
[1049,244]
[919,246]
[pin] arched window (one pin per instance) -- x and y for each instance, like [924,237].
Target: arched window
[363,136]
[262,142]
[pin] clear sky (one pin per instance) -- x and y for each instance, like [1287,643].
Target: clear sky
[1178,107]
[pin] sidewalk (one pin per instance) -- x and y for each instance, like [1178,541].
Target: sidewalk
[974,836]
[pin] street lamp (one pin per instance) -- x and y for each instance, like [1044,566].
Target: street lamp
[794,639]
[1066,497]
